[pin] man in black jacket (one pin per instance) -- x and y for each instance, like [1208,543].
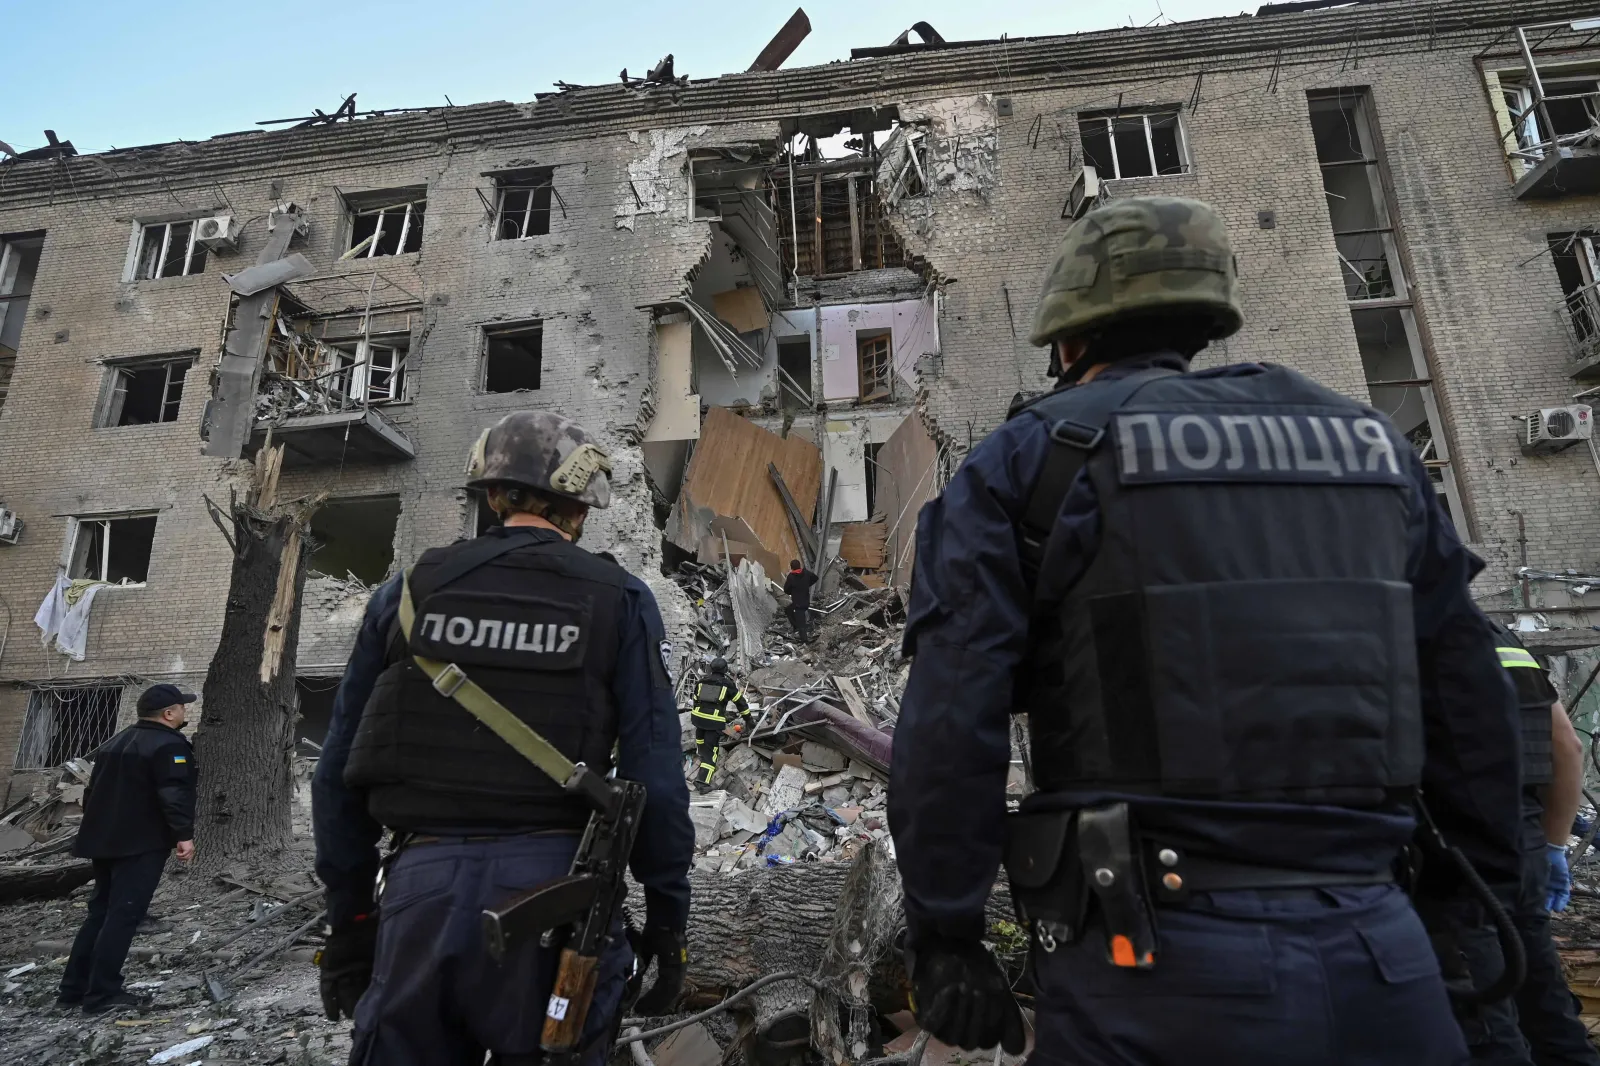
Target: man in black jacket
[138,806]
[797,586]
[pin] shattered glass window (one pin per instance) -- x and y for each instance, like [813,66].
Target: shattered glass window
[168,250]
[392,229]
[1136,145]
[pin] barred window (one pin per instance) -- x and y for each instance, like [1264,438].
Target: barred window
[66,723]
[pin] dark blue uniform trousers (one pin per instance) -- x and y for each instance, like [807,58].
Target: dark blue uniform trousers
[1308,977]
[123,888]
[437,998]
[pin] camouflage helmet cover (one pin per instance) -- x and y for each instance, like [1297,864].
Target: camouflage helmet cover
[1142,255]
[545,451]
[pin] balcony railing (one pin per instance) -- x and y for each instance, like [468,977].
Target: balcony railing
[1579,315]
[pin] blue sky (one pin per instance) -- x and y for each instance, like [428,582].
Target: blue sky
[116,74]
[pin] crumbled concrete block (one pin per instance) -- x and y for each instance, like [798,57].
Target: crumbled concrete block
[743,818]
[836,795]
[706,814]
[787,791]
[821,759]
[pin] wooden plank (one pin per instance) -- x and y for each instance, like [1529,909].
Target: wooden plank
[853,700]
[862,545]
[855,227]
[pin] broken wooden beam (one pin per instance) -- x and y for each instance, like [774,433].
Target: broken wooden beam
[43,882]
[802,530]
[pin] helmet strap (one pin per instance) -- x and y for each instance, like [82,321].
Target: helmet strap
[511,499]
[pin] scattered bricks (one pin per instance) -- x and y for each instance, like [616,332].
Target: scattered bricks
[787,791]
[821,759]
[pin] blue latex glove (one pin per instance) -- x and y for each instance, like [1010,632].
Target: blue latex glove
[1560,884]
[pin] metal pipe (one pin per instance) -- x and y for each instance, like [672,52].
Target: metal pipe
[1537,85]
[1522,552]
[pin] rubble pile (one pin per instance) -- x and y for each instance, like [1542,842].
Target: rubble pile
[42,824]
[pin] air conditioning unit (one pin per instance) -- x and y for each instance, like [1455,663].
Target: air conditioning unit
[10,526]
[1085,193]
[220,233]
[1554,429]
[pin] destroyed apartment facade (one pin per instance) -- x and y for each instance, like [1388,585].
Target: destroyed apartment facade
[788,301]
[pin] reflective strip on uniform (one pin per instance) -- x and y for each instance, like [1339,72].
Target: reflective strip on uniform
[1510,657]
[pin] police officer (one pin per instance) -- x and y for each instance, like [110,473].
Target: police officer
[1239,623]
[715,693]
[1547,1030]
[572,644]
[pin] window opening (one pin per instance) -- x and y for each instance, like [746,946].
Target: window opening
[513,358]
[1138,145]
[870,452]
[315,696]
[874,366]
[168,250]
[1577,262]
[66,723]
[389,228]
[113,549]
[794,364]
[145,393]
[19,262]
[522,207]
[1382,313]
[371,371]
[830,220]
[355,537]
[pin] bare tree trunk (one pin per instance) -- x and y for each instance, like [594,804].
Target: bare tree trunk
[246,731]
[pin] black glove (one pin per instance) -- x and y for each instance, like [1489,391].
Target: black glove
[346,964]
[669,948]
[963,997]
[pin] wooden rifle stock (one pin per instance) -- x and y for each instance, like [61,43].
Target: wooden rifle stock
[569,1002]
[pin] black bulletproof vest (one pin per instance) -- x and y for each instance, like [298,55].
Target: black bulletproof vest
[537,627]
[712,692]
[1244,631]
[1535,694]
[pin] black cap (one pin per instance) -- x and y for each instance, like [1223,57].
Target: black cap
[160,697]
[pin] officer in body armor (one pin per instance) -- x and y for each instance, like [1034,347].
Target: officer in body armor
[713,695]
[572,644]
[1540,1024]
[1239,623]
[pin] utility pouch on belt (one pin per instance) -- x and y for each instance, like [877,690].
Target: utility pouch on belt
[1047,888]
[1109,852]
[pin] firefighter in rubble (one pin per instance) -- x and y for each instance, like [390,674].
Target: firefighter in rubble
[574,646]
[1239,622]
[713,697]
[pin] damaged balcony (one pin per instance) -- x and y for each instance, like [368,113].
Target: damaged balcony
[1550,120]
[336,357]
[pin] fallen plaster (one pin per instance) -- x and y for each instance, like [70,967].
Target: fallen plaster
[652,184]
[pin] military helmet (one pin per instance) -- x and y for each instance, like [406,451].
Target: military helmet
[545,451]
[719,665]
[1142,255]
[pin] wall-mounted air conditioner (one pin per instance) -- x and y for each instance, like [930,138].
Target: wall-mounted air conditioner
[1085,192]
[220,233]
[10,526]
[1554,429]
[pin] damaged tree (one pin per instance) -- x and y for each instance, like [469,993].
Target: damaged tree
[246,730]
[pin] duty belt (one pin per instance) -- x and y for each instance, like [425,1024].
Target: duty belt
[1066,865]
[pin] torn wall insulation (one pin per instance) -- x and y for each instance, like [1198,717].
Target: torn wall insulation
[908,465]
[677,407]
[728,478]
[657,181]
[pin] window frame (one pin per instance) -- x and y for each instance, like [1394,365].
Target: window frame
[31,755]
[1181,133]
[884,372]
[190,269]
[505,329]
[534,183]
[76,533]
[382,203]
[115,389]
[355,375]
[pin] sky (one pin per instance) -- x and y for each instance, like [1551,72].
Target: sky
[107,74]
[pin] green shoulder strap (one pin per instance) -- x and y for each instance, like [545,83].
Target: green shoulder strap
[450,681]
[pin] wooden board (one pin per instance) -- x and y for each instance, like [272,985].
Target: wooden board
[741,308]
[727,478]
[862,545]
[907,478]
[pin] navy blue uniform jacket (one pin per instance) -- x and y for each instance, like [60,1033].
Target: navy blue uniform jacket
[648,751]
[141,793]
[968,630]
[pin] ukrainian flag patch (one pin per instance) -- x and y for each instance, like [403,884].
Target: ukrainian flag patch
[180,758]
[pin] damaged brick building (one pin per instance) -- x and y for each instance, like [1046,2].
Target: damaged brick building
[830,270]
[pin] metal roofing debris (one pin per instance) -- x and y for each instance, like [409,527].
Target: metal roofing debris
[253,279]
[784,42]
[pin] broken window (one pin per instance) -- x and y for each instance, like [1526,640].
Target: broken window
[66,723]
[19,262]
[522,204]
[874,365]
[168,250]
[1577,261]
[1399,379]
[112,549]
[830,221]
[372,371]
[513,357]
[1572,106]
[386,223]
[145,392]
[1139,145]
[355,537]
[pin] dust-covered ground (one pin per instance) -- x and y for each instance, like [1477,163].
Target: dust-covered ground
[270,1013]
